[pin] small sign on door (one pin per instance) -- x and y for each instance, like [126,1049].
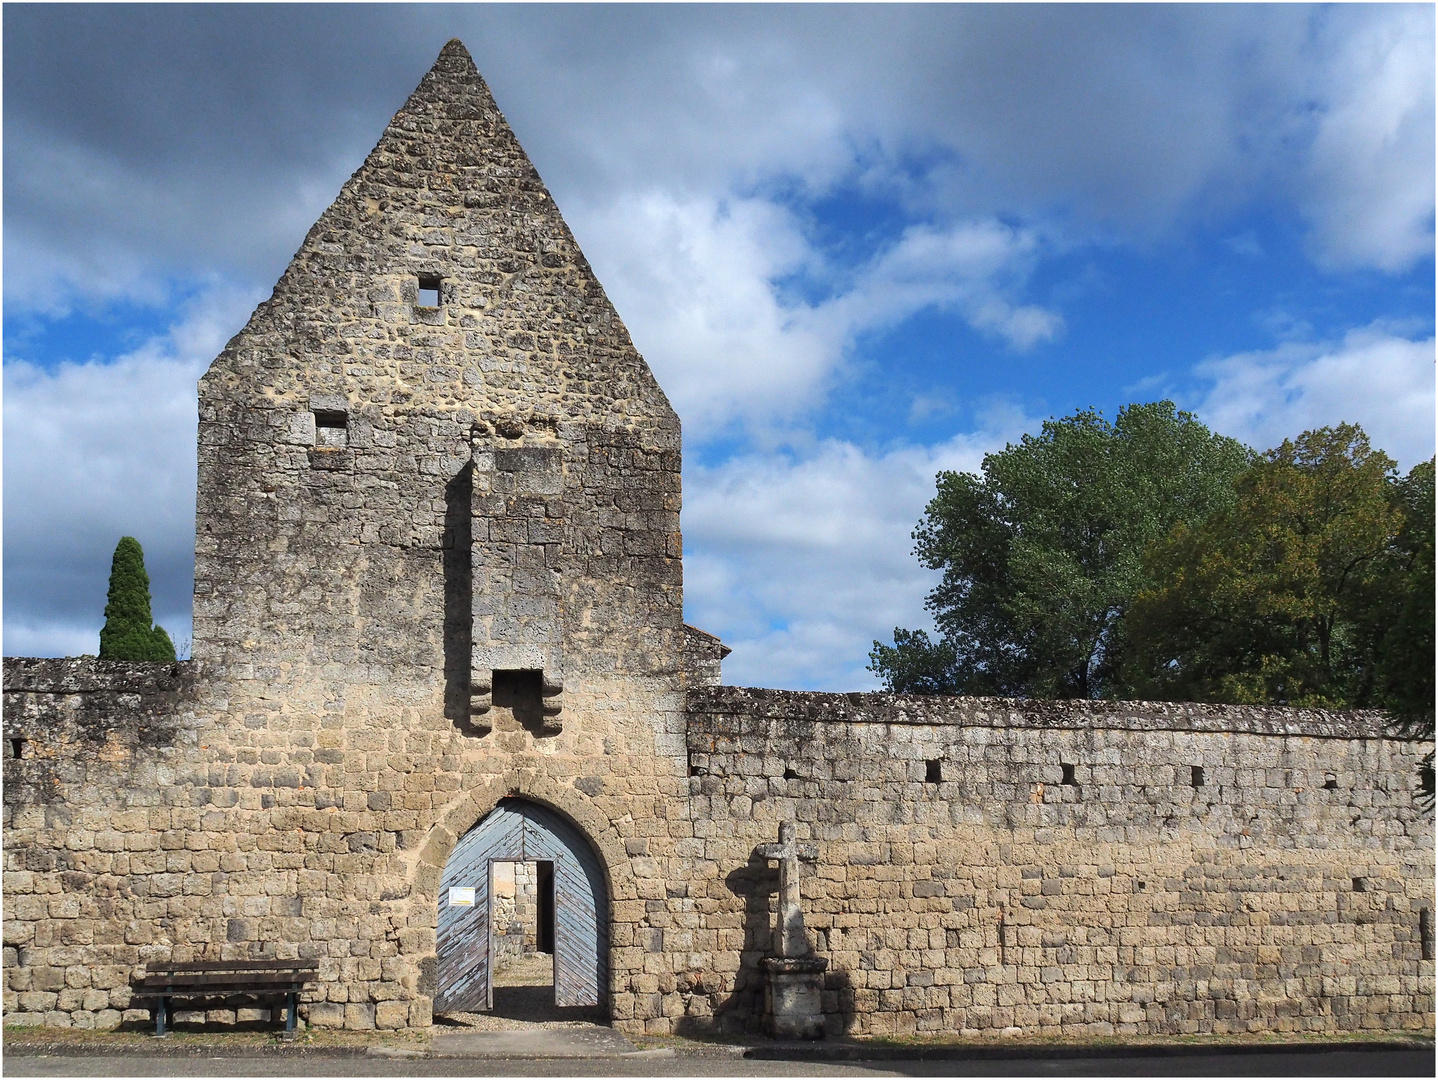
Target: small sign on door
[461,897]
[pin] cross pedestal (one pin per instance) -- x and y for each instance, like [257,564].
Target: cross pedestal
[792,999]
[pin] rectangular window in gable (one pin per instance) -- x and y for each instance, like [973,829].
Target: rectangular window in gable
[331,427]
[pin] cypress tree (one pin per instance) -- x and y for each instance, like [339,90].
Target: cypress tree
[128,633]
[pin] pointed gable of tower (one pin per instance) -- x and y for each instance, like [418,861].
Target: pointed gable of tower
[447,198]
[434,452]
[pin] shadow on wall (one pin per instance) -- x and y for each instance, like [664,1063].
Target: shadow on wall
[742,1012]
[458,594]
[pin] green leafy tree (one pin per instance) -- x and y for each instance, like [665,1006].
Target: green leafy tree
[1286,597]
[1405,654]
[1042,553]
[1402,621]
[129,633]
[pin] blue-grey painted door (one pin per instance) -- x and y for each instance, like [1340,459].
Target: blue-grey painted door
[519,831]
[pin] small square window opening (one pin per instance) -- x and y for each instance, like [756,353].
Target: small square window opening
[933,772]
[1068,775]
[17,747]
[331,427]
[429,290]
[1196,777]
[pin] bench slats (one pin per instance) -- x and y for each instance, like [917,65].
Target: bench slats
[262,981]
[233,965]
[215,993]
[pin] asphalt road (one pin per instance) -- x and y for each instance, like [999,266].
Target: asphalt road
[1318,1062]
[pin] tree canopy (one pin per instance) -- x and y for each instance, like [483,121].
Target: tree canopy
[1042,553]
[129,633]
[1151,558]
[1287,596]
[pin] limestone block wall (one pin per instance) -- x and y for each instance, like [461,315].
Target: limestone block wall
[95,871]
[150,817]
[703,657]
[1056,868]
[1067,868]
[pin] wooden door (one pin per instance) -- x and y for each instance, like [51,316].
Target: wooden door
[519,831]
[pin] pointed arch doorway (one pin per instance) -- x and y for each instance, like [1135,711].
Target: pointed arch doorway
[574,913]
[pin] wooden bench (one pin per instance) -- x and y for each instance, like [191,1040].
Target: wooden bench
[263,979]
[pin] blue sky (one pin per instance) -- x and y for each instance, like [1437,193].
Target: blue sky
[857,245]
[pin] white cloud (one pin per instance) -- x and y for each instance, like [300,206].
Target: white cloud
[665,135]
[1369,185]
[800,563]
[96,451]
[156,159]
[700,283]
[695,280]
[964,266]
[1374,377]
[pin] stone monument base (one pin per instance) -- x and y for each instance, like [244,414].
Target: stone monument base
[793,1006]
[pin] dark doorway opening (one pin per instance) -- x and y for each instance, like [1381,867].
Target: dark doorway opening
[544,908]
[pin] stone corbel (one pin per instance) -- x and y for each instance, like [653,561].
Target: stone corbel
[551,701]
[481,700]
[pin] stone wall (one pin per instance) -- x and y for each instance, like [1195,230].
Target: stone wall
[515,910]
[143,821]
[1059,868]
[1069,868]
[703,657]
[99,859]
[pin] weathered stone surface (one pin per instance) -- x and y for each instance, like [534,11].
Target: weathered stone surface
[438,564]
[1125,901]
[703,654]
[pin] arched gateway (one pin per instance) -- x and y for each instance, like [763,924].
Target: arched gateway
[520,831]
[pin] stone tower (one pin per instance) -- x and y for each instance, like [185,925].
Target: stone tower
[438,556]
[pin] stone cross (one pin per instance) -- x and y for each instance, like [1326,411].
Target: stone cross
[793,941]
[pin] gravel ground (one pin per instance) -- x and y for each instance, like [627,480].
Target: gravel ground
[523,998]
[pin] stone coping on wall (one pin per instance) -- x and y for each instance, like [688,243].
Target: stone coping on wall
[722,706]
[724,709]
[89,675]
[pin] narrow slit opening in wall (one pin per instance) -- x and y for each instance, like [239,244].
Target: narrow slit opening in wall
[1068,778]
[1196,776]
[429,290]
[1425,932]
[17,747]
[934,771]
[331,427]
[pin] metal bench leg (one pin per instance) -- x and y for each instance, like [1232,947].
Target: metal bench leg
[160,1004]
[290,1011]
